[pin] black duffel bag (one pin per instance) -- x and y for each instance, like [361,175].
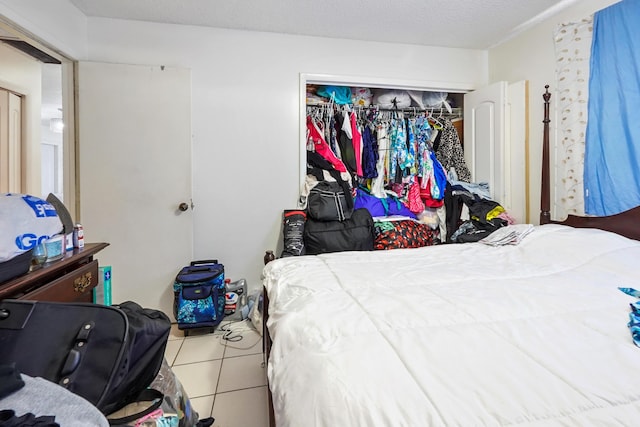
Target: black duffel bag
[353,234]
[108,355]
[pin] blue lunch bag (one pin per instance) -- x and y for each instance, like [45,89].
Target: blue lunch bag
[199,295]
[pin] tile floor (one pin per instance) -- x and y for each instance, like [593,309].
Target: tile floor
[224,379]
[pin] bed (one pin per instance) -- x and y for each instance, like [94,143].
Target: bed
[533,334]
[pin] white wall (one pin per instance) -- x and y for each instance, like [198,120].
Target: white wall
[530,56]
[57,22]
[245,121]
[22,74]
[246,103]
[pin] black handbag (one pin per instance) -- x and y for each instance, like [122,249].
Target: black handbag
[353,234]
[108,355]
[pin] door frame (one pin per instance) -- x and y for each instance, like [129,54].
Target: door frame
[31,181]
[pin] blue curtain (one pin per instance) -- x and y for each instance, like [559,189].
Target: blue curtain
[612,151]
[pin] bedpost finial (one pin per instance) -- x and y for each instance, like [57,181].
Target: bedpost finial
[546,95]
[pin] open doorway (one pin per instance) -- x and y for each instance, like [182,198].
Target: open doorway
[52,129]
[42,79]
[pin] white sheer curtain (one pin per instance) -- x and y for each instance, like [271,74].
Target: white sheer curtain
[573,50]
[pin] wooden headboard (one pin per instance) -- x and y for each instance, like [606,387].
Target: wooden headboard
[626,223]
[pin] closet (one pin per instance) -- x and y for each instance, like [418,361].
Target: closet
[488,124]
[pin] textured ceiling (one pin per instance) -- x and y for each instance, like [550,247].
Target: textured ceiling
[476,24]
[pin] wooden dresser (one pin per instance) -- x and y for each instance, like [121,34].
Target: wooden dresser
[69,279]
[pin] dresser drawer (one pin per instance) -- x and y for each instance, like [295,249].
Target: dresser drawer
[73,286]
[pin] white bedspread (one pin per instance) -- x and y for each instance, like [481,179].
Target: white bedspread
[458,335]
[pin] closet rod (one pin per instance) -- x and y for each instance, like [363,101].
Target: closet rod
[455,112]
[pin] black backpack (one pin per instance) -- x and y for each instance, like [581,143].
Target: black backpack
[107,355]
[147,339]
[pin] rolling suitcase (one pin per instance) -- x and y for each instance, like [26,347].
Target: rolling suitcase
[108,355]
[199,296]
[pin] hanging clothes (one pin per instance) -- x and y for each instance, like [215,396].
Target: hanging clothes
[347,155]
[439,178]
[321,147]
[398,147]
[369,153]
[414,202]
[392,152]
[409,165]
[449,151]
[356,140]
[346,125]
[423,137]
[333,137]
[378,183]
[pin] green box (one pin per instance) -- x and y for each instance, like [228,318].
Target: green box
[102,292]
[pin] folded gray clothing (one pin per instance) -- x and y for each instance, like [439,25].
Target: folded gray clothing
[41,397]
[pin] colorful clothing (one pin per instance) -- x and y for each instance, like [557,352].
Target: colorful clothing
[356,140]
[369,153]
[378,183]
[398,139]
[320,145]
[449,151]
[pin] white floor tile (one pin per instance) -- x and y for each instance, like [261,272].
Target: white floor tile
[251,343]
[202,405]
[242,408]
[171,351]
[175,333]
[198,379]
[200,349]
[241,372]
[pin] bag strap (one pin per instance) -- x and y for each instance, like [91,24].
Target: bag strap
[146,395]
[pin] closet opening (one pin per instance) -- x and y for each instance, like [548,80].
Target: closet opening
[386,138]
[416,142]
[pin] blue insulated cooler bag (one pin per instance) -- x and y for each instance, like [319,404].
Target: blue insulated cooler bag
[199,295]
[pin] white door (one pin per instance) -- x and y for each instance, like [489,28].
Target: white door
[495,143]
[517,152]
[135,171]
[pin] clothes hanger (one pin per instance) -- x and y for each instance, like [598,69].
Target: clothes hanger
[436,123]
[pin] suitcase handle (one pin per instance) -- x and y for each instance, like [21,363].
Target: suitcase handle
[204,261]
[196,269]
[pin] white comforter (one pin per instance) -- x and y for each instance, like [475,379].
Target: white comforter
[458,335]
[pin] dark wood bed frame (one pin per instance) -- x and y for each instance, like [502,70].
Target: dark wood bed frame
[625,223]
